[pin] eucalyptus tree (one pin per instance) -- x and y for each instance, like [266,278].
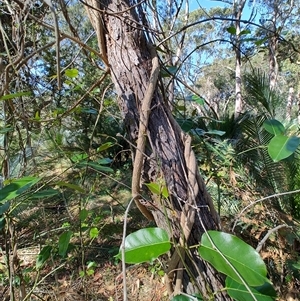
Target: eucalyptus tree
[163,151]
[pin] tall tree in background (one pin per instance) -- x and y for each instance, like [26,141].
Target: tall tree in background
[238,7]
[163,150]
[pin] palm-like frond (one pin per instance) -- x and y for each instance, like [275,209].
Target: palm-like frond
[259,96]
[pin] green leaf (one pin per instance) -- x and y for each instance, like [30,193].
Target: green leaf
[104,161]
[231,30]
[158,189]
[16,187]
[71,186]
[43,257]
[239,292]
[104,146]
[4,208]
[296,265]
[168,71]
[94,232]
[2,222]
[63,243]
[6,130]
[44,194]
[96,166]
[281,147]
[14,95]
[186,124]
[145,245]
[199,100]
[71,73]
[83,214]
[79,157]
[244,32]
[245,260]
[215,132]
[274,127]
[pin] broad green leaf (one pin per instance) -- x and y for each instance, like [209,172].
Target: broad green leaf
[239,292]
[71,186]
[44,194]
[281,147]
[104,146]
[274,127]
[71,73]
[14,95]
[43,257]
[16,187]
[145,245]
[94,232]
[245,260]
[4,208]
[63,243]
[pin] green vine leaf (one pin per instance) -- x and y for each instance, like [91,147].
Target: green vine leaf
[239,292]
[145,245]
[246,262]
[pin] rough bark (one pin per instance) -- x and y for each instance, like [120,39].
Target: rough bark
[169,153]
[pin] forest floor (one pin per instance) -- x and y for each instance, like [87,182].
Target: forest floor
[64,280]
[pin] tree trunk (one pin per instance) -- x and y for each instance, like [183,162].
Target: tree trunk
[238,9]
[189,211]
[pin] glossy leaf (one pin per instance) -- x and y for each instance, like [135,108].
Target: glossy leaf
[281,147]
[244,259]
[274,127]
[145,245]
[16,187]
[63,243]
[239,292]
